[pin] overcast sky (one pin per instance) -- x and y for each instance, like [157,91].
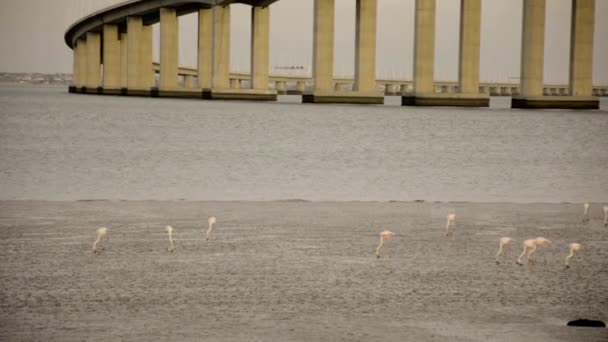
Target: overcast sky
[31,34]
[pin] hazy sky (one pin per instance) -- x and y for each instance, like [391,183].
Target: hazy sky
[31,34]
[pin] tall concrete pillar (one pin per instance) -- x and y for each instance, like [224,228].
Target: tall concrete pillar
[205,47]
[188,81]
[532,48]
[470,32]
[80,56]
[134,42]
[111,57]
[260,47]
[581,47]
[75,75]
[169,51]
[221,47]
[123,60]
[365,46]
[93,60]
[323,45]
[424,46]
[146,57]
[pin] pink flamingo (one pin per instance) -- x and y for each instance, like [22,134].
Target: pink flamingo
[574,247]
[385,235]
[211,221]
[503,243]
[530,246]
[451,221]
[169,230]
[586,213]
[101,233]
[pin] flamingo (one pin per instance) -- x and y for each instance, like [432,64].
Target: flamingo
[169,230]
[529,246]
[101,232]
[503,243]
[586,213]
[385,235]
[606,216]
[212,221]
[451,221]
[540,241]
[574,247]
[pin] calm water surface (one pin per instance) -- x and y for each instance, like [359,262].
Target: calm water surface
[57,146]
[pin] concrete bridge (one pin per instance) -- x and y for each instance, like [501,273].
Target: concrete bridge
[113,55]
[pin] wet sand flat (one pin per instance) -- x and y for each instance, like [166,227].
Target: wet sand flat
[297,271]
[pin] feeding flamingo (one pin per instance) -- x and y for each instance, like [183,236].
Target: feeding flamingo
[586,213]
[574,247]
[451,221]
[530,246]
[212,221]
[385,235]
[169,230]
[101,233]
[503,243]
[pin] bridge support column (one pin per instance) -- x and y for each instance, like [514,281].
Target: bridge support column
[169,50]
[134,67]
[123,60]
[581,54]
[189,81]
[80,55]
[221,47]
[323,55]
[468,71]
[260,47]
[365,49]
[205,47]
[93,62]
[111,60]
[147,70]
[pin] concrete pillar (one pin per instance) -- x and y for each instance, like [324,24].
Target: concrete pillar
[260,47]
[93,60]
[323,45]
[470,32]
[134,38]
[221,47]
[365,46]
[301,86]
[81,65]
[205,47]
[424,46]
[75,75]
[111,57]
[169,50]
[147,69]
[188,81]
[235,83]
[533,48]
[581,47]
[281,87]
[123,60]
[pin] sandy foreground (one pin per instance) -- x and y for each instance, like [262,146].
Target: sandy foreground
[296,271]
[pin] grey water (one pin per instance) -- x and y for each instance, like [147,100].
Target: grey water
[59,146]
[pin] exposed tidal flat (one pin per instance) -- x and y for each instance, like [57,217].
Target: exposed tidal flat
[300,193]
[297,271]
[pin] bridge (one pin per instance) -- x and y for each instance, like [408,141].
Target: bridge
[112,51]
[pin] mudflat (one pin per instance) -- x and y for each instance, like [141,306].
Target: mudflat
[297,271]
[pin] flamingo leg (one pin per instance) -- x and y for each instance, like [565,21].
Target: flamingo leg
[498,254]
[521,256]
[378,248]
